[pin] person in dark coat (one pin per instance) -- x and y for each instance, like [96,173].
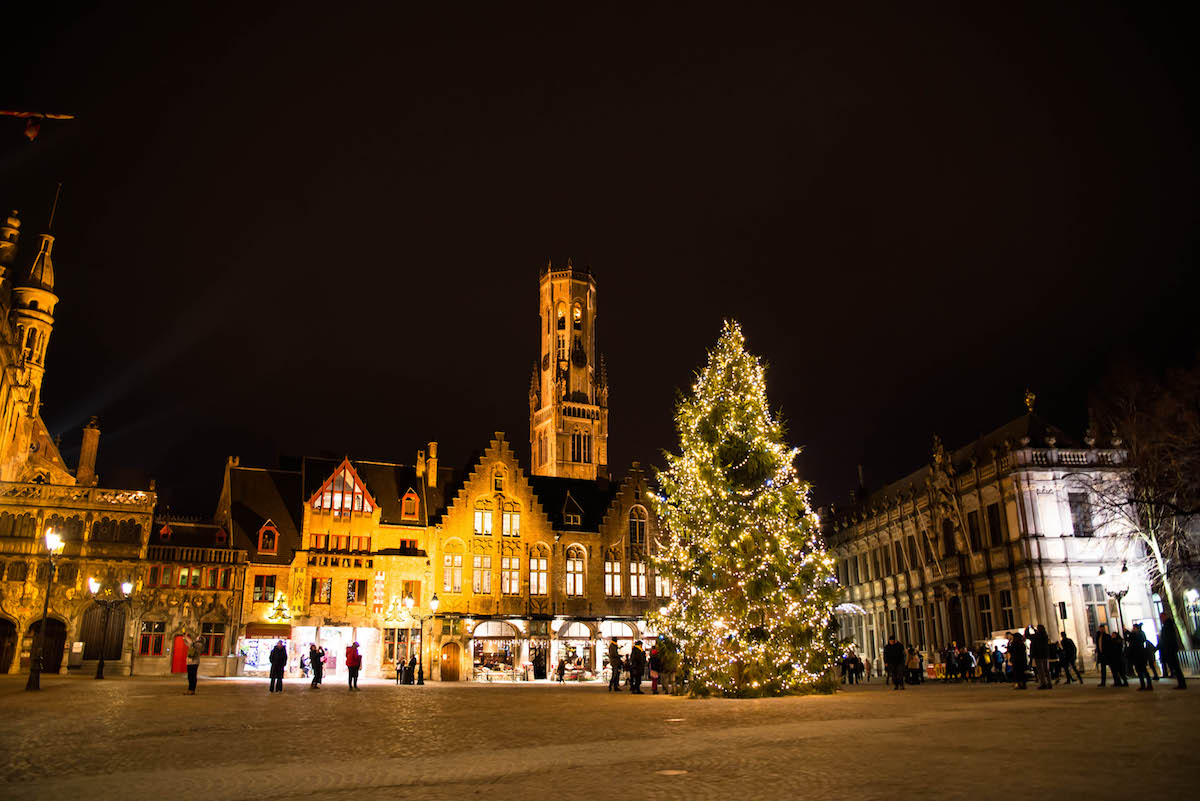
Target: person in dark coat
[893,657]
[1137,655]
[637,666]
[562,671]
[655,667]
[614,664]
[1114,649]
[278,660]
[1100,641]
[316,659]
[1069,656]
[1039,649]
[412,669]
[1017,659]
[1168,649]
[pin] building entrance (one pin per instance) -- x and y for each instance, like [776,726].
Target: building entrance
[8,644]
[451,657]
[52,648]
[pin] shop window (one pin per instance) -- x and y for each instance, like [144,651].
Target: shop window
[343,494]
[321,591]
[637,527]
[539,572]
[264,588]
[637,579]
[612,579]
[153,633]
[575,575]
[510,575]
[409,506]
[268,538]
[481,580]
[396,644]
[510,521]
[213,635]
[452,572]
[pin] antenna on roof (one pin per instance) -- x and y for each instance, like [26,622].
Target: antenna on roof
[54,208]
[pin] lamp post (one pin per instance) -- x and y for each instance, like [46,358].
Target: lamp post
[54,546]
[433,605]
[1119,591]
[408,604]
[109,604]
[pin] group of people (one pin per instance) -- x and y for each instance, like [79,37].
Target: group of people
[1120,654]
[633,664]
[314,663]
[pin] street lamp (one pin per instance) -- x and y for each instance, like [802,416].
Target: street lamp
[1119,590]
[408,604]
[54,546]
[433,606]
[109,604]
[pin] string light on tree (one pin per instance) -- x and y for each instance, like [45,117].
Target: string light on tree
[752,586]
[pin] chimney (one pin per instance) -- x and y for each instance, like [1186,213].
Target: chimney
[85,474]
[420,463]
[431,465]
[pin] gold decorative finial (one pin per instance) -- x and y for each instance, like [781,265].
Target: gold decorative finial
[1029,399]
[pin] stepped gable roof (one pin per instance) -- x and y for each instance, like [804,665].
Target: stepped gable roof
[188,534]
[559,496]
[387,483]
[257,495]
[1027,425]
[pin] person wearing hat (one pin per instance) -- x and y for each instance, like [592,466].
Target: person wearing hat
[637,666]
[614,663]
[353,663]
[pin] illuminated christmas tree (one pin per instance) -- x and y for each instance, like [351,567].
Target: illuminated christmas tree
[752,588]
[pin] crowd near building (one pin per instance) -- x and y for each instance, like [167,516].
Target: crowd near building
[503,570]
[998,536]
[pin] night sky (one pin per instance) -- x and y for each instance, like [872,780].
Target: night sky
[305,230]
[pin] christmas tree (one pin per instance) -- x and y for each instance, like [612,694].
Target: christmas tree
[752,588]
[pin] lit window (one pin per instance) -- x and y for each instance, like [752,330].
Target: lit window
[538,573]
[511,521]
[409,506]
[356,591]
[343,494]
[575,586]
[481,581]
[662,586]
[483,518]
[510,575]
[189,577]
[612,579]
[452,572]
[321,591]
[268,538]
[637,579]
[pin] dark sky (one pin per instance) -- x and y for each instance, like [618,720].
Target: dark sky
[305,230]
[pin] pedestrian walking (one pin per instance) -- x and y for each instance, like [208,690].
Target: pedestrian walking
[1017,659]
[614,663]
[278,660]
[195,647]
[1137,655]
[353,663]
[562,672]
[655,667]
[1039,649]
[1069,653]
[1168,649]
[637,666]
[893,658]
[316,658]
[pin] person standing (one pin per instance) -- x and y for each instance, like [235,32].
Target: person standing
[893,658]
[1137,655]
[316,660]
[1100,640]
[1168,649]
[412,669]
[195,646]
[1115,650]
[655,667]
[353,663]
[614,664]
[562,671]
[637,666]
[1017,659]
[1068,656]
[278,660]
[1039,649]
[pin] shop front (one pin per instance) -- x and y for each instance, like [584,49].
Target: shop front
[257,643]
[576,648]
[334,640]
[495,651]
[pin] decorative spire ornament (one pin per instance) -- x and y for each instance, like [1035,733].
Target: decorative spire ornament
[752,587]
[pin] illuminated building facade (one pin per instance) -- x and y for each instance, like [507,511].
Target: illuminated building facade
[998,535]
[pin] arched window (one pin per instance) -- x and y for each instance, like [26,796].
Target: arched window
[637,527]
[577,316]
[539,572]
[409,506]
[581,446]
[562,318]
[483,518]
[576,631]
[575,575]
[612,574]
[495,629]
[615,628]
[511,520]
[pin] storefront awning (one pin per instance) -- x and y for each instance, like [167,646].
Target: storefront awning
[268,631]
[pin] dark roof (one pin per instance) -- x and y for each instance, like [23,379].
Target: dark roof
[189,534]
[563,495]
[256,496]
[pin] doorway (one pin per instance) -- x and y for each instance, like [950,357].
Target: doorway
[97,636]
[957,632]
[451,658]
[179,655]
[8,643]
[52,647]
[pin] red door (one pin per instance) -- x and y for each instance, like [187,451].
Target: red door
[179,655]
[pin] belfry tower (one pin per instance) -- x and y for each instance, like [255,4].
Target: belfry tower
[568,395]
[33,302]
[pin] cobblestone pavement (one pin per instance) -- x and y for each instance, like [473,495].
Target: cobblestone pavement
[142,738]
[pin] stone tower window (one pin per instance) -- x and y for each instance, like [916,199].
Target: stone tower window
[578,316]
